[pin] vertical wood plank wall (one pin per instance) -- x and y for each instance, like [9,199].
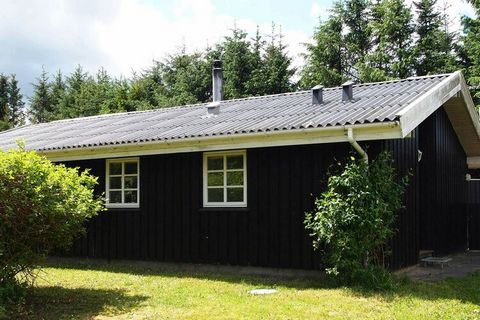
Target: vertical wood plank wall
[474,214]
[443,188]
[172,225]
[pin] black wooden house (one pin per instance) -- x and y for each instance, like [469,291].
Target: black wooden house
[229,181]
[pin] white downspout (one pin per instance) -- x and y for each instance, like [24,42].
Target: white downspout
[355,145]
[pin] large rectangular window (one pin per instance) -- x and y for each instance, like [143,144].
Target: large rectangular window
[225,179]
[123,183]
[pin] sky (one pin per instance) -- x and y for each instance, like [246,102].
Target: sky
[126,35]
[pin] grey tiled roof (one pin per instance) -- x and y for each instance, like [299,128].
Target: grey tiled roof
[375,102]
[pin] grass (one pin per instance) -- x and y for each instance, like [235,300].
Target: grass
[155,291]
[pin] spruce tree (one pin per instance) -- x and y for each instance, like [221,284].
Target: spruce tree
[433,50]
[40,102]
[324,57]
[15,103]
[276,66]
[238,63]
[392,29]
[357,35]
[256,84]
[470,51]
[4,107]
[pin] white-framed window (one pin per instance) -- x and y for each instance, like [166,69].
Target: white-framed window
[225,179]
[123,183]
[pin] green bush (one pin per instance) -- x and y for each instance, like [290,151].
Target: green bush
[354,218]
[43,206]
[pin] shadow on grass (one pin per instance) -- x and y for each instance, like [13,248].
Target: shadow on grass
[254,276]
[462,289]
[61,303]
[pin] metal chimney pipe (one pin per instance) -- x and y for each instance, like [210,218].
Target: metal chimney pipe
[317,94]
[347,92]
[217,78]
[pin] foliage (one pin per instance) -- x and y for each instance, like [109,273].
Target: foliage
[434,49]
[16,116]
[353,219]
[470,51]
[323,59]
[41,107]
[392,29]
[44,206]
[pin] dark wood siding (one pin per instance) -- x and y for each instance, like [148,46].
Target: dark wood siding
[406,243]
[474,214]
[443,186]
[172,225]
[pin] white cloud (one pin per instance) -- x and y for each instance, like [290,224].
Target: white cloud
[318,11]
[121,36]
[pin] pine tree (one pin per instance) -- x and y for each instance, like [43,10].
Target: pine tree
[433,51]
[40,102]
[15,102]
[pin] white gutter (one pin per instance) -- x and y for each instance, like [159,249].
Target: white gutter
[355,145]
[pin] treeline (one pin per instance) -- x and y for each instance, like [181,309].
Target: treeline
[361,40]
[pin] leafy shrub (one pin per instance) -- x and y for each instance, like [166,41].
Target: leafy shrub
[354,219]
[43,206]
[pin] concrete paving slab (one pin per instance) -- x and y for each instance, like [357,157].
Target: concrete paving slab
[461,265]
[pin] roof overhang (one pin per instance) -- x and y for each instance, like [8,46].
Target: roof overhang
[362,132]
[454,95]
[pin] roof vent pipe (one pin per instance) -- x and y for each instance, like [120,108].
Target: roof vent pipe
[347,91]
[217,78]
[317,94]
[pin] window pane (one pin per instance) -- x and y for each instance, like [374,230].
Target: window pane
[235,162]
[234,194]
[131,182]
[215,194]
[215,163]
[115,168]
[115,197]
[215,179]
[115,182]
[131,196]
[235,178]
[130,167]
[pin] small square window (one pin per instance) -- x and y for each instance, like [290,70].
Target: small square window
[122,181]
[225,179]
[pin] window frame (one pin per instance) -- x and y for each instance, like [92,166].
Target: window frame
[224,187]
[107,183]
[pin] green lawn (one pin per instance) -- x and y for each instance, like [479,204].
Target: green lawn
[139,291]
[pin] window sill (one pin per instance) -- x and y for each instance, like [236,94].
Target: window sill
[224,209]
[122,207]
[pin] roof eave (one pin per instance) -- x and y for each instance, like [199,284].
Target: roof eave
[454,95]
[362,132]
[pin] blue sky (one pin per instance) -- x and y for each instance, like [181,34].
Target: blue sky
[126,35]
